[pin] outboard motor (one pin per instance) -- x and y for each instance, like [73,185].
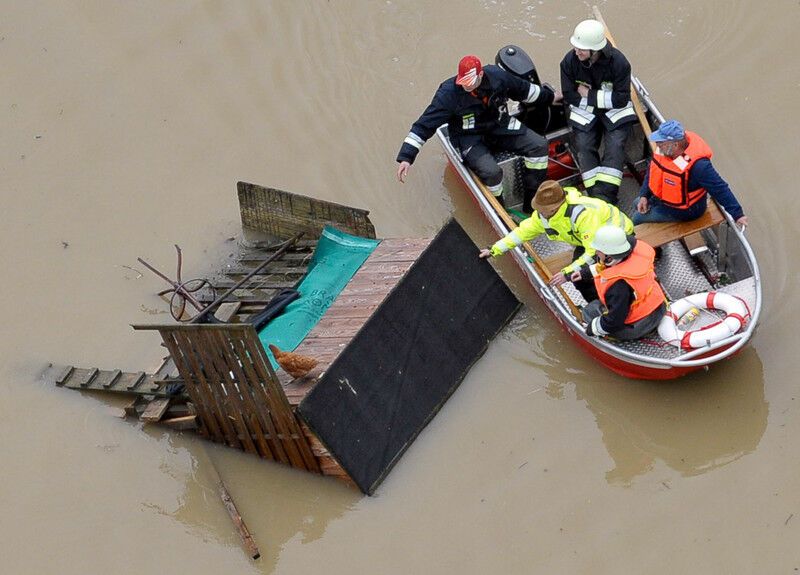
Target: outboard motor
[515,60]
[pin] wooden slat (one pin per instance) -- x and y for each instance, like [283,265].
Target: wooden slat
[261,408]
[183,423]
[658,234]
[206,389]
[62,378]
[88,377]
[241,527]
[239,391]
[227,310]
[135,380]
[279,405]
[257,283]
[269,270]
[155,410]
[398,253]
[267,392]
[107,379]
[209,425]
[223,384]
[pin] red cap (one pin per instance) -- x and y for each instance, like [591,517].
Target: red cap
[468,69]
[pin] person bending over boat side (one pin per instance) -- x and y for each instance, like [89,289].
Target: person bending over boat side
[473,104]
[596,82]
[566,215]
[630,300]
[680,176]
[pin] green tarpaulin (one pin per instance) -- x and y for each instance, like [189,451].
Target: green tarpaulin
[336,259]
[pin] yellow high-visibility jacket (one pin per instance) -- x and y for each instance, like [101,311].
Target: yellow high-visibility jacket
[575,222]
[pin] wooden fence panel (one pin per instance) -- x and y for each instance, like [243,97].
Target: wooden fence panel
[238,397]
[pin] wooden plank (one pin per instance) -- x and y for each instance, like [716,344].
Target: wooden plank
[658,234]
[131,408]
[331,321]
[205,388]
[243,269]
[256,283]
[222,386]
[134,380]
[167,370]
[397,254]
[389,268]
[358,300]
[261,409]
[241,527]
[210,427]
[269,270]
[251,299]
[107,379]
[249,406]
[183,423]
[215,349]
[88,377]
[227,310]
[279,406]
[64,375]
[390,244]
[155,410]
[269,395]
[255,256]
[353,312]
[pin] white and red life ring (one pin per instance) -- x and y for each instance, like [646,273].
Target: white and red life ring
[736,310]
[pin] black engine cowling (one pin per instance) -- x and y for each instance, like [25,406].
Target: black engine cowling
[515,60]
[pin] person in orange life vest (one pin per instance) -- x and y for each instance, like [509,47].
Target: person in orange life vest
[626,286]
[681,176]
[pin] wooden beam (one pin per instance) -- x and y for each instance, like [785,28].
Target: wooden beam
[182,423]
[238,522]
[155,410]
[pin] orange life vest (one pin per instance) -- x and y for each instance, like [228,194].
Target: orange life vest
[637,270]
[669,179]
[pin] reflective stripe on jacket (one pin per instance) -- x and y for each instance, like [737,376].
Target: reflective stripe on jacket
[669,179]
[637,270]
[483,111]
[575,222]
[609,83]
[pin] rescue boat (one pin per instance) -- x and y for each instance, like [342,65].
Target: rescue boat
[700,262]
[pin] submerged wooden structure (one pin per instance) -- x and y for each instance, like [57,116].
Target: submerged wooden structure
[354,415]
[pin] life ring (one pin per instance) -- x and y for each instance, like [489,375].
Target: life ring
[735,308]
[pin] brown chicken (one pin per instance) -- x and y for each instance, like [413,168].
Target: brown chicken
[294,364]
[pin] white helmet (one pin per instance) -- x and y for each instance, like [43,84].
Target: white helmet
[589,35]
[611,240]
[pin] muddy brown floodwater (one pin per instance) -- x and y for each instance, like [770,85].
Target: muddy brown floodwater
[125,126]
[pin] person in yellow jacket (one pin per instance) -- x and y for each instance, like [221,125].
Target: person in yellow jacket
[630,300]
[566,215]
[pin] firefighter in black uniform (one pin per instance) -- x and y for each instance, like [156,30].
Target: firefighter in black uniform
[596,81]
[474,106]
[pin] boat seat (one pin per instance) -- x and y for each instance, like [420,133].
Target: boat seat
[655,234]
